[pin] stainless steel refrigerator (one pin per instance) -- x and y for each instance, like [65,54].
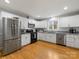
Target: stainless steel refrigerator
[10,35]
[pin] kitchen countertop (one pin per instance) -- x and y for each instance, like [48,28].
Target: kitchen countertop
[59,32]
[24,33]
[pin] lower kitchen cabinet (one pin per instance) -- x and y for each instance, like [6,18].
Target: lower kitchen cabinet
[40,36]
[69,40]
[1,42]
[72,40]
[25,39]
[50,37]
[76,45]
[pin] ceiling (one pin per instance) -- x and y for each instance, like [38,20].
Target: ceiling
[42,8]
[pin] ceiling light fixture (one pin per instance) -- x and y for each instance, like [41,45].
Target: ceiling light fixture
[65,8]
[7,1]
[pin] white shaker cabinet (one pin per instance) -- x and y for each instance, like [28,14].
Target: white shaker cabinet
[72,40]
[40,36]
[25,39]
[76,45]
[71,21]
[50,37]
[24,23]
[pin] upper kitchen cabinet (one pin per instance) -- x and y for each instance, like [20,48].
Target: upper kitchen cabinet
[42,24]
[38,24]
[24,23]
[71,21]
[32,23]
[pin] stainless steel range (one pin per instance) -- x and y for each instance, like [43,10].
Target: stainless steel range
[10,35]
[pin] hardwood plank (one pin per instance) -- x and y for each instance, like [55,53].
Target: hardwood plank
[44,50]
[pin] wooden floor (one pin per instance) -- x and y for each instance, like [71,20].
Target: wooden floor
[43,50]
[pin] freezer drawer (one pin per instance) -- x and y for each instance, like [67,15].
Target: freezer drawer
[11,46]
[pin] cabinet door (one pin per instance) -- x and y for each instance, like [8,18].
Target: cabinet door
[70,43]
[52,38]
[70,40]
[76,41]
[40,36]
[44,37]
[47,37]
[24,23]
[76,45]
[25,39]
[28,40]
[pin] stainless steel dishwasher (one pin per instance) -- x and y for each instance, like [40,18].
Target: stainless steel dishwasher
[60,39]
